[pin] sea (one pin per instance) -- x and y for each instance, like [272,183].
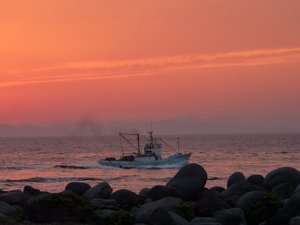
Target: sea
[50,163]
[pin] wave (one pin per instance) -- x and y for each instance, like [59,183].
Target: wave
[84,166]
[51,179]
[40,166]
[63,179]
[216,178]
[24,167]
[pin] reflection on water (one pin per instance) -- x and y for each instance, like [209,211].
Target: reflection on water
[50,163]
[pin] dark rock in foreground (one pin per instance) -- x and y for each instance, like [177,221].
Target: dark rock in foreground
[78,187]
[101,190]
[274,200]
[282,175]
[189,181]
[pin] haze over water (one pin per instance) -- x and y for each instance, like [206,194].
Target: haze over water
[50,163]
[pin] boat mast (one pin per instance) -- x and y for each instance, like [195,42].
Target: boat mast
[177,144]
[129,142]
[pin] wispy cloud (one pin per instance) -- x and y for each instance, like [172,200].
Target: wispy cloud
[97,70]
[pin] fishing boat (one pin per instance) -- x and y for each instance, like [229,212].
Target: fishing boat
[151,157]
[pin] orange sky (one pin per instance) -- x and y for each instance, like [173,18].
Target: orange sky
[63,60]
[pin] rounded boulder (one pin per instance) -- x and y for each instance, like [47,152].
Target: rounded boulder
[78,187]
[236,177]
[282,175]
[256,179]
[189,181]
[125,198]
[101,190]
[159,191]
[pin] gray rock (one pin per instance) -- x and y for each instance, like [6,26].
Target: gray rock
[161,217]
[234,192]
[295,220]
[292,206]
[203,220]
[50,208]
[282,175]
[258,206]
[283,191]
[143,195]
[189,181]
[297,189]
[178,220]
[125,198]
[256,179]
[101,190]
[209,202]
[46,209]
[14,198]
[234,178]
[111,204]
[78,187]
[106,213]
[207,223]
[6,208]
[217,189]
[31,191]
[233,216]
[159,191]
[116,217]
[143,215]
[279,219]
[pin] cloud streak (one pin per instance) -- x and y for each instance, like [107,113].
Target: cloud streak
[97,70]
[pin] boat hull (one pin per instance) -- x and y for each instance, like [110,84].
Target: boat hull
[177,160]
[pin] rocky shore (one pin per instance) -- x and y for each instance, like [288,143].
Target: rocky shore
[184,200]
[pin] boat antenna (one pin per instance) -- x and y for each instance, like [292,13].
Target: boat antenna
[178,141]
[121,145]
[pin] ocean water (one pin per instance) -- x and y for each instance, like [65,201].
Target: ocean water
[50,163]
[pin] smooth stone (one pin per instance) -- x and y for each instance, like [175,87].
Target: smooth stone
[161,217]
[234,192]
[234,178]
[78,187]
[201,220]
[125,198]
[292,206]
[295,220]
[14,198]
[178,220]
[106,213]
[49,208]
[101,190]
[233,216]
[258,206]
[208,203]
[279,219]
[46,209]
[143,195]
[159,191]
[282,175]
[6,208]
[105,203]
[143,214]
[297,189]
[217,189]
[256,179]
[283,191]
[189,181]
[30,190]
[207,223]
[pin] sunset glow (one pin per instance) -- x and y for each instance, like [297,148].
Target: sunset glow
[115,61]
